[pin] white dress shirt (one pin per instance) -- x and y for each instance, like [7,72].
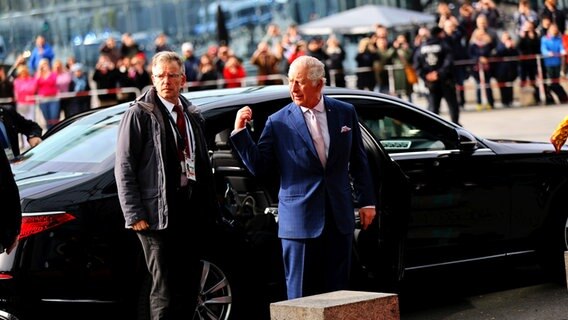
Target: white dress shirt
[321,116]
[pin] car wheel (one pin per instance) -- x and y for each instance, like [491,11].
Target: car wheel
[215,295]
[214,300]
[7,316]
[566,234]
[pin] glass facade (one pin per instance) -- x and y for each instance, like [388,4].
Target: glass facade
[74,27]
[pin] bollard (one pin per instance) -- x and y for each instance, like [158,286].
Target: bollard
[344,305]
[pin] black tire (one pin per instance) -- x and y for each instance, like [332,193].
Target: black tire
[215,297]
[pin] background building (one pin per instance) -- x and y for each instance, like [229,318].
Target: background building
[77,27]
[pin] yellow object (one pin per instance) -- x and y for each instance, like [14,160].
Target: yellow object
[411,76]
[559,135]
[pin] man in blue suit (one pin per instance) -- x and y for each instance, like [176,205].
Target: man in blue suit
[315,209]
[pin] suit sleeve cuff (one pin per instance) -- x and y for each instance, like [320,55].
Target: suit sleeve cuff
[237,131]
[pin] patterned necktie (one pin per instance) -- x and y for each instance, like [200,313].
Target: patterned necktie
[317,136]
[180,122]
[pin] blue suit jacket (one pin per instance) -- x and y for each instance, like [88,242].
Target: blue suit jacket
[304,183]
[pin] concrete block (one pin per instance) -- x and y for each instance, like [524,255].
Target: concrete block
[526,97]
[338,305]
[566,266]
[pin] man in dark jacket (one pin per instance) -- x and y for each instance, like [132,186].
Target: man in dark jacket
[79,83]
[529,45]
[556,16]
[315,49]
[6,90]
[455,37]
[12,123]
[165,186]
[434,63]
[11,214]
[190,62]
[507,70]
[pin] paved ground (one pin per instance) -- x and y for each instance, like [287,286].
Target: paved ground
[541,301]
[490,292]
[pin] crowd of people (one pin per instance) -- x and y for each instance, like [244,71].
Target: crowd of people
[476,44]
[480,47]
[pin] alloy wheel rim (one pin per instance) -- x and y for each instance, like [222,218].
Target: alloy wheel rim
[215,295]
[566,234]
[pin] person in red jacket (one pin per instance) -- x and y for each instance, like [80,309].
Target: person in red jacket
[233,72]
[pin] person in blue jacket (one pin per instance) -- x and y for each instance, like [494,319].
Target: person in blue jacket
[552,50]
[42,50]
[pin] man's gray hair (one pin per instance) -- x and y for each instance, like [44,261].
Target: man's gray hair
[316,68]
[168,56]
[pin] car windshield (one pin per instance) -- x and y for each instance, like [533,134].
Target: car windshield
[87,145]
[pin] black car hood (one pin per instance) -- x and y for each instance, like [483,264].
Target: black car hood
[507,146]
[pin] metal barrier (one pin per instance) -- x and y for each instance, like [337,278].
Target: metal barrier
[37,99]
[243,82]
[541,81]
[350,78]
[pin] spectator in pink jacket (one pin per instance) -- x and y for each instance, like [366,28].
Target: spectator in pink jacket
[47,89]
[25,87]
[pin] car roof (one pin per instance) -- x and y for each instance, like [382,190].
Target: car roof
[208,100]
[251,95]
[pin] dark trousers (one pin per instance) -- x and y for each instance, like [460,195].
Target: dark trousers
[506,95]
[488,90]
[460,74]
[173,260]
[553,74]
[529,75]
[447,91]
[319,265]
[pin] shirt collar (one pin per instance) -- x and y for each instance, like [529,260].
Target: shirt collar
[319,107]
[167,104]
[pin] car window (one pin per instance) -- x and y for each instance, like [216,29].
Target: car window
[401,129]
[220,122]
[232,178]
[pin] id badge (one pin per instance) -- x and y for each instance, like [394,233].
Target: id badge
[190,169]
[9,153]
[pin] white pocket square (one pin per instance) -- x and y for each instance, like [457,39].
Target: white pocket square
[345,129]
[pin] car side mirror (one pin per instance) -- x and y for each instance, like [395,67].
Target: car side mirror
[466,141]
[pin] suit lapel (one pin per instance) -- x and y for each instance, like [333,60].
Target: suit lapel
[332,127]
[299,123]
